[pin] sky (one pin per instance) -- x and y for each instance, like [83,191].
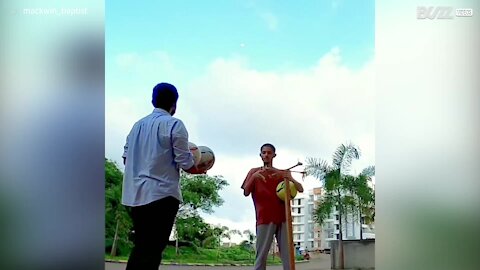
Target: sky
[300,76]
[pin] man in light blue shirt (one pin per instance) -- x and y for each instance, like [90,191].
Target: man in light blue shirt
[156,149]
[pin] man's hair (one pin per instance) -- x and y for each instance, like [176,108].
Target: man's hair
[164,96]
[268,145]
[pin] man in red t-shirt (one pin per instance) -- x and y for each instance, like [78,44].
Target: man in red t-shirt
[270,210]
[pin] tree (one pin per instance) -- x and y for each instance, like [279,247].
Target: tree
[200,193]
[117,220]
[192,229]
[343,192]
[214,241]
[233,232]
[359,188]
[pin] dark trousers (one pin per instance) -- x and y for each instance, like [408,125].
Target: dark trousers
[152,224]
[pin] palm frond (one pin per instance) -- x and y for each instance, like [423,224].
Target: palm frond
[324,209]
[368,171]
[343,156]
[317,168]
[332,181]
[236,232]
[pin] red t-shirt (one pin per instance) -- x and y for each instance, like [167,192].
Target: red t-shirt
[268,207]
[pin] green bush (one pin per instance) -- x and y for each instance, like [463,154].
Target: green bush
[194,254]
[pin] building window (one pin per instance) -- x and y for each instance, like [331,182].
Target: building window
[337,226]
[299,210]
[337,217]
[338,236]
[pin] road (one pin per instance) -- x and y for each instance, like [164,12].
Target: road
[319,262]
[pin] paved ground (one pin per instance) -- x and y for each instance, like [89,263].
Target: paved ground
[320,262]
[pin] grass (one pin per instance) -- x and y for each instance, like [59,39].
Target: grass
[224,255]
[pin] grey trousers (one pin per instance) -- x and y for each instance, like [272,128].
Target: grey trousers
[265,233]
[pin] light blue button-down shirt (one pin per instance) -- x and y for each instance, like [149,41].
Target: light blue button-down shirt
[155,150]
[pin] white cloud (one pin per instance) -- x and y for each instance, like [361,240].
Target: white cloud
[234,109]
[311,111]
[241,226]
[140,70]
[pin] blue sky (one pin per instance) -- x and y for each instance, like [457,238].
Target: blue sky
[299,76]
[281,35]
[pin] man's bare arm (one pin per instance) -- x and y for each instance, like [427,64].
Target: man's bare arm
[248,184]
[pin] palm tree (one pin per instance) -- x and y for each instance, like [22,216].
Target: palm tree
[365,197]
[337,186]
[233,232]
[250,241]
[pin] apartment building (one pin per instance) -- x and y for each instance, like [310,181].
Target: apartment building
[308,235]
[352,226]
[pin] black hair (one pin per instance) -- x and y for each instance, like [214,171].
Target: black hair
[268,145]
[164,96]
